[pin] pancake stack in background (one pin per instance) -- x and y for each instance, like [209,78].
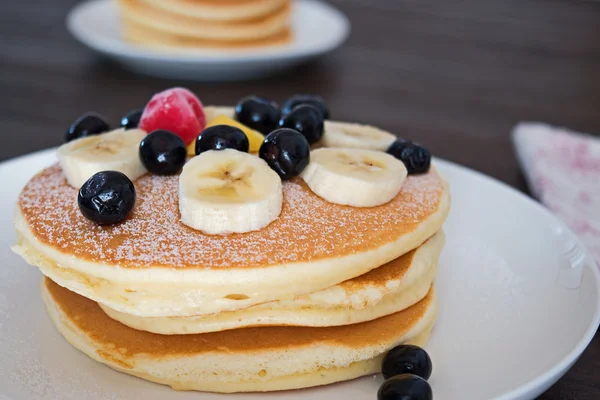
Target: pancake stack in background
[317,296]
[206,24]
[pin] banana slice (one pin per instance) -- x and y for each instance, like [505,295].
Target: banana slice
[228,191]
[348,135]
[117,150]
[354,177]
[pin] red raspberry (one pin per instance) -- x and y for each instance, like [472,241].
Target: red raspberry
[177,110]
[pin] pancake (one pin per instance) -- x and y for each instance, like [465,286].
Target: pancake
[388,289]
[244,30]
[152,265]
[252,359]
[152,38]
[219,10]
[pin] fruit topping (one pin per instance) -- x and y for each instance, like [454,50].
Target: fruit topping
[113,151]
[405,387]
[107,197]
[286,151]
[344,134]
[86,125]
[221,137]
[406,359]
[258,113]
[131,120]
[306,99]
[354,177]
[162,152]
[228,191]
[305,119]
[176,110]
[416,158]
[255,138]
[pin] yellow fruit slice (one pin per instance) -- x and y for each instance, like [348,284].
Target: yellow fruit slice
[191,149]
[255,138]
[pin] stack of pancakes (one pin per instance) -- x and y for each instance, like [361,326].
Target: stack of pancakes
[318,296]
[196,24]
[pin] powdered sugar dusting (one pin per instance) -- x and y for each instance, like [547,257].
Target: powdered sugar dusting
[309,228]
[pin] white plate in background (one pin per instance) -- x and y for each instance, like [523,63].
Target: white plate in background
[318,29]
[514,315]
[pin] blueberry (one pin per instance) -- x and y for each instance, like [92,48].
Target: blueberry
[406,359]
[416,158]
[221,137]
[163,152]
[286,151]
[107,197]
[257,113]
[405,387]
[307,120]
[131,119]
[306,99]
[86,125]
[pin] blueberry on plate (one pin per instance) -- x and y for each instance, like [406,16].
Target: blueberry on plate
[286,151]
[131,119]
[406,359]
[221,137]
[257,113]
[163,152]
[107,197]
[405,387]
[307,120]
[416,158]
[86,125]
[305,99]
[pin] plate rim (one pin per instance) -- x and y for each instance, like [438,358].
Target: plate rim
[541,381]
[122,49]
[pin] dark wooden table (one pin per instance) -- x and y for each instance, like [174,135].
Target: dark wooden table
[456,76]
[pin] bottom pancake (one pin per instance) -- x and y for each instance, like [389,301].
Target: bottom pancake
[241,360]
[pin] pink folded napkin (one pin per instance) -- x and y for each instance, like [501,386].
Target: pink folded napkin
[563,171]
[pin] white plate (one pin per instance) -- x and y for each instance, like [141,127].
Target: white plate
[318,29]
[513,318]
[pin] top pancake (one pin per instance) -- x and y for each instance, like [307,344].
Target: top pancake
[151,265]
[308,229]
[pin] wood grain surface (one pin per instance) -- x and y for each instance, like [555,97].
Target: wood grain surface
[453,75]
